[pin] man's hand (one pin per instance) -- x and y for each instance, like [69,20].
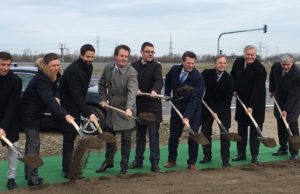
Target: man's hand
[249,110]
[214,115]
[93,118]
[138,92]
[2,132]
[153,94]
[57,100]
[283,114]
[69,118]
[128,112]
[271,94]
[186,121]
[103,104]
[234,93]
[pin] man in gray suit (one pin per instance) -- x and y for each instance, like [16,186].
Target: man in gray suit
[118,86]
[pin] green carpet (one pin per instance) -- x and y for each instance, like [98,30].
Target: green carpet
[51,170]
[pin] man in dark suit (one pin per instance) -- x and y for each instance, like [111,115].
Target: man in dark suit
[118,86]
[184,75]
[10,93]
[250,84]
[218,95]
[73,88]
[285,88]
[149,81]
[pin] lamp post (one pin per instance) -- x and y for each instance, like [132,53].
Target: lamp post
[264,28]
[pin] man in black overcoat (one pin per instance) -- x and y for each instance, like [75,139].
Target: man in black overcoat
[285,88]
[250,85]
[219,89]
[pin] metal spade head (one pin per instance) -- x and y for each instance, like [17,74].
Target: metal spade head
[267,141]
[232,137]
[199,138]
[32,160]
[295,142]
[145,117]
[107,137]
[173,99]
[184,91]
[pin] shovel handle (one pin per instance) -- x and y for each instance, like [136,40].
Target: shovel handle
[158,95]
[283,118]
[118,110]
[77,128]
[250,116]
[98,126]
[11,145]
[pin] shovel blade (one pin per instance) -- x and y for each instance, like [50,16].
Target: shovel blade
[295,142]
[32,160]
[268,142]
[233,137]
[107,137]
[199,138]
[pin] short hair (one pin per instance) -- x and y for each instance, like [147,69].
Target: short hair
[220,56]
[188,54]
[287,58]
[50,57]
[119,47]
[85,48]
[5,56]
[146,44]
[249,47]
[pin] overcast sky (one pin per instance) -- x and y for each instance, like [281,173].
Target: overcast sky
[195,25]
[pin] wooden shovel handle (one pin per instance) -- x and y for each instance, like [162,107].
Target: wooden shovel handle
[11,145]
[212,112]
[283,118]
[118,110]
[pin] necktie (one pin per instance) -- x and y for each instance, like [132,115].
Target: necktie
[283,73]
[218,77]
[183,76]
[115,70]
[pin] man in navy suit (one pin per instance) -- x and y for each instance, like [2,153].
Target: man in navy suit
[184,75]
[219,89]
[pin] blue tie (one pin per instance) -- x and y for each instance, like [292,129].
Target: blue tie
[183,76]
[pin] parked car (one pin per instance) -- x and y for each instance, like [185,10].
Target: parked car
[26,73]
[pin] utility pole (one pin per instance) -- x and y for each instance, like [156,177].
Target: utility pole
[98,44]
[62,47]
[170,47]
[264,28]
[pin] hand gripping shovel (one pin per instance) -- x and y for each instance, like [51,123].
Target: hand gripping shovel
[79,131]
[118,110]
[294,140]
[267,141]
[228,136]
[32,160]
[166,98]
[197,137]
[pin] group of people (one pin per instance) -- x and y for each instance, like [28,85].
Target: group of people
[136,89]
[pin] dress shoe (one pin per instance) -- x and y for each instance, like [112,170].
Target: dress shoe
[192,167]
[254,161]
[293,157]
[280,153]
[205,159]
[135,165]
[104,166]
[239,158]
[35,181]
[11,184]
[169,164]
[226,165]
[123,171]
[155,168]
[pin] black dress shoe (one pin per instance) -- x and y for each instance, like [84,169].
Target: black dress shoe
[280,153]
[123,171]
[254,161]
[104,166]
[293,157]
[239,158]
[205,159]
[135,165]
[35,181]
[11,184]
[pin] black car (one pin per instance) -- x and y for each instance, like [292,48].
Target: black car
[26,73]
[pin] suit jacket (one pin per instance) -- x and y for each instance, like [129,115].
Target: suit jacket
[120,90]
[10,94]
[286,90]
[190,106]
[218,95]
[250,85]
[149,78]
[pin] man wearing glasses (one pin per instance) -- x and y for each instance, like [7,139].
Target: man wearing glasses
[149,81]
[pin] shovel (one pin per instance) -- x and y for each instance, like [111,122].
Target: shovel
[79,131]
[294,140]
[105,136]
[228,136]
[197,137]
[166,98]
[118,110]
[267,141]
[32,160]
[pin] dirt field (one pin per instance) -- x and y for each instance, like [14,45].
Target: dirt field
[275,177]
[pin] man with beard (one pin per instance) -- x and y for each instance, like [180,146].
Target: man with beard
[250,85]
[10,93]
[73,89]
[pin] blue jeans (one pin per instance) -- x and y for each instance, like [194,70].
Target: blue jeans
[152,128]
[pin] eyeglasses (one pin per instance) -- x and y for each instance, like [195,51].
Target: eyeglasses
[149,52]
